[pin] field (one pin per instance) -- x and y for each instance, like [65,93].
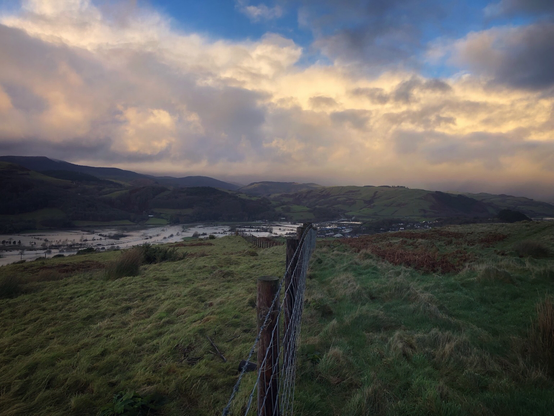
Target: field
[441,322]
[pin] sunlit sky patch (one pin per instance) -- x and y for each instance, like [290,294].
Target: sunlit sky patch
[436,94]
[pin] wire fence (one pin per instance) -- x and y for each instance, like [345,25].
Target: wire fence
[275,381]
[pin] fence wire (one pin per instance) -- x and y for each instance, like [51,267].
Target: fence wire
[286,358]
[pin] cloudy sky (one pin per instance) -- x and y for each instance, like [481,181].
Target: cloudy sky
[438,94]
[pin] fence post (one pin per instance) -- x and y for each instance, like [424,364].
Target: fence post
[268,371]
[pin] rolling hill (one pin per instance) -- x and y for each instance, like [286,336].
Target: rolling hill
[44,164]
[63,195]
[64,198]
[267,188]
[384,202]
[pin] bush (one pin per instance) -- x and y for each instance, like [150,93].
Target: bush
[531,249]
[9,287]
[157,254]
[541,336]
[211,237]
[132,404]
[128,264]
[86,251]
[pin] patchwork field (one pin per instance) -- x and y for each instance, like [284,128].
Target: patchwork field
[455,320]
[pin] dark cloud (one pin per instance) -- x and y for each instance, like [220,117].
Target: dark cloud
[357,119]
[210,123]
[486,148]
[515,7]
[404,92]
[375,95]
[24,99]
[521,57]
[370,33]
[428,117]
[321,102]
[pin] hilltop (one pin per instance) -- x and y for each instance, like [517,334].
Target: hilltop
[44,164]
[268,188]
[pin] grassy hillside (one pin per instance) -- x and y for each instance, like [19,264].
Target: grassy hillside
[76,198]
[126,177]
[370,202]
[266,188]
[528,206]
[422,323]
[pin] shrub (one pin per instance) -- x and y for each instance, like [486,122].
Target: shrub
[86,251]
[531,249]
[128,264]
[9,286]
[541,336]
[157,254]
[132,404]
[211,237]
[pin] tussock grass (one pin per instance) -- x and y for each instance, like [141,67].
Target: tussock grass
[531,249]
[541,335]
[494,274]
[10,286]
[128,264]
[159,253]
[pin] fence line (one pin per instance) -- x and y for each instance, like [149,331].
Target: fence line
[260,242]
[276,392]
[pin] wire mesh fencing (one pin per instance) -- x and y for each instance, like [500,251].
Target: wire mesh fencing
[280,307]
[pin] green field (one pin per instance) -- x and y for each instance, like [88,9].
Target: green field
[437,322]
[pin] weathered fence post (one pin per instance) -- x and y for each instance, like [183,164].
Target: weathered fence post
[268,346]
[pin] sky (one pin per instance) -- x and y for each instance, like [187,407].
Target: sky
[437,94]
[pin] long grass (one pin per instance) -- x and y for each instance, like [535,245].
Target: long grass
[10,286]
[128,264]
[541,335]
[377,338]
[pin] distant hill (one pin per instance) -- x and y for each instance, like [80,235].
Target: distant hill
[44,164]
[528,206]
[70,196]
[195,181]
[64,199]
[267,188]
[380,202]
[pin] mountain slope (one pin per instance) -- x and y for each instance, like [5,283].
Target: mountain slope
[378,202]
[528,206]
[33,200]
[266,188]
[43,164]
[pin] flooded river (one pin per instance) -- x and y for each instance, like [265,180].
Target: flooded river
[46,244]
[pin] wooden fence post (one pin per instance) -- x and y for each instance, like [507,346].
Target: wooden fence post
[268,371]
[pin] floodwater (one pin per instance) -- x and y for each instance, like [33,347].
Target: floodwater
[46,244]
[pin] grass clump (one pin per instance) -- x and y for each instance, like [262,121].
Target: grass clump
[10,286]
[531,249]
[158,254]
[494,274]
[541,336]
[128,264]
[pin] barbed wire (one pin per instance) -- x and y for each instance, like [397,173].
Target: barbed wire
[302,256]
